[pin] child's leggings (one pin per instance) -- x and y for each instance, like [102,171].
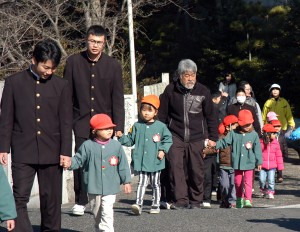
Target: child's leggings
[144,178]
[243,183]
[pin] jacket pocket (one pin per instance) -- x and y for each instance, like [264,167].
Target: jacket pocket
[196,104]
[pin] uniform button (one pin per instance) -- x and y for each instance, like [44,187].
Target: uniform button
[145,152]
[93,64]
[39,132]
[103,147]
[243,134]
[147,126]
[92,110]
[92,87]
[146,139]
[93,75]
[243,145]
[92,99]
[38,95]
[37,82]
[38,120]
[38,107]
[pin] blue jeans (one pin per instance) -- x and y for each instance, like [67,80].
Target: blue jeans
[227,186]
[267,180]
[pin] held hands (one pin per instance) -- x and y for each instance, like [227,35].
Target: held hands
[65,161]
[211,143]
[161,155]
[3,158]
[209,149]
[127,188]
[10,224]
[258,167]
[118,134]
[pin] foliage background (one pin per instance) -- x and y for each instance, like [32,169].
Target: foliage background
[258,43]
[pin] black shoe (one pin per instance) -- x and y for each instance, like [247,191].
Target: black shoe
[178,206]
[195,206]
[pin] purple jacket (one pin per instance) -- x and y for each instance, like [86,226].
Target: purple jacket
[272,155]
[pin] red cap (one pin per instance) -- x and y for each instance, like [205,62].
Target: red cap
[221,128]
[229,119]
[101,121]
[152,100]
[275,123]
[269,128]
[245,117]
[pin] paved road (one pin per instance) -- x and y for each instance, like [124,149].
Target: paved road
[280,214]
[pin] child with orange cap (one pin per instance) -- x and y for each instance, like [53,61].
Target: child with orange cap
[152,140]
[228,195]
[283,145]
[105,167]
[272,159]
[246,155]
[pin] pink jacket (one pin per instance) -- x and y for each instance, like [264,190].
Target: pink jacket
[272,155]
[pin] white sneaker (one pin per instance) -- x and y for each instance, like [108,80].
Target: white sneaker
[154,210]
[136,209]
[78,210]
[165,205]
[270,196]
[206,205]
[214,193]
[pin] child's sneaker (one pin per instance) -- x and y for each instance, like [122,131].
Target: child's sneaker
[247,204]
[78,210]
[232,206]
[224,205]
[165,205]
[136,209]
[206,205]
[261,194]
[270,196]
[154,210]
[239,203]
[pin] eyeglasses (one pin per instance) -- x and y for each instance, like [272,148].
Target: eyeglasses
[94,42]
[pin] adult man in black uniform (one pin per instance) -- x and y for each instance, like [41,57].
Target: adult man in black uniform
[36,123]
[97,87]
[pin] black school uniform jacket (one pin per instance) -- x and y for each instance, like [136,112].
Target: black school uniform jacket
[97,87]
[36,118]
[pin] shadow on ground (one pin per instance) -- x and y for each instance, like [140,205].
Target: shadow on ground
[292,224]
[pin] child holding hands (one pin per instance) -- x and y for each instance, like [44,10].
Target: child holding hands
[152,141]
[228,195]
[105,167]
[272,159]
[246,155]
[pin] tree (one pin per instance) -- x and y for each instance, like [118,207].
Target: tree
[24,22]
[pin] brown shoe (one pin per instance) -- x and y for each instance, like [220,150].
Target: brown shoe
[280,180]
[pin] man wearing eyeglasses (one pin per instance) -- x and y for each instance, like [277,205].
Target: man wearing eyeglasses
[97,86]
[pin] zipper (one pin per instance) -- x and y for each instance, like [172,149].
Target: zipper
[186,119]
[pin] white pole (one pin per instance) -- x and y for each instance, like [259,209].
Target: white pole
[132,57]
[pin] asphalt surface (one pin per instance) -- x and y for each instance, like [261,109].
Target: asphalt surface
[280,214]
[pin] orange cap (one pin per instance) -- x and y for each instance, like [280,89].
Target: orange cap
[152,100]
[221,129]
[101,121]
[245,117]
[275,123]
[269,128]
[229,119]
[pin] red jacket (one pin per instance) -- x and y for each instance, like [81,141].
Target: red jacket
[272,155]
